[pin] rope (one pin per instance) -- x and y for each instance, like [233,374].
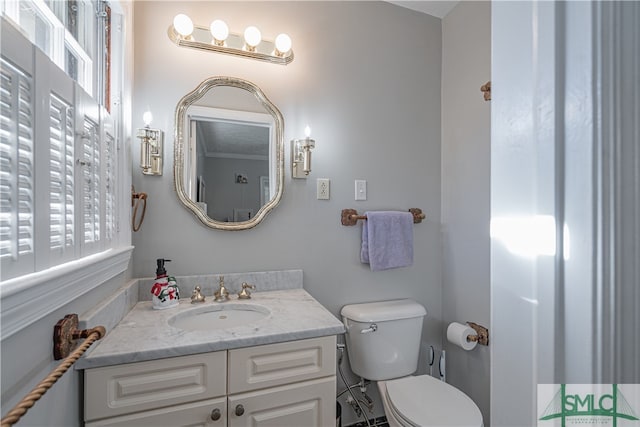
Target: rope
[14,415]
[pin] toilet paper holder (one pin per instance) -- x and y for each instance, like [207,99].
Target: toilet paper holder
[483,334]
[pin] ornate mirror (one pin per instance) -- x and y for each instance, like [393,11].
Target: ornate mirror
[228,153]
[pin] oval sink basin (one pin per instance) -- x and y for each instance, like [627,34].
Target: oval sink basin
[221,316]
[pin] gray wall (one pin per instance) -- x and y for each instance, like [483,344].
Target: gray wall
[367,79]
[466,139]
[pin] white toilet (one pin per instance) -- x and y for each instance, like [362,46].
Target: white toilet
[383,343]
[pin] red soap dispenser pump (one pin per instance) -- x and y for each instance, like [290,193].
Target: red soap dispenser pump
[164,292]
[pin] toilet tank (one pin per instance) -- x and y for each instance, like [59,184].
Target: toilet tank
[389,351]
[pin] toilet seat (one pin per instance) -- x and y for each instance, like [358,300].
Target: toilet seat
[421,401]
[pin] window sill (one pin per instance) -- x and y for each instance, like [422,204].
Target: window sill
[27,299]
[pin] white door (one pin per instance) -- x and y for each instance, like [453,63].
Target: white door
[565,203]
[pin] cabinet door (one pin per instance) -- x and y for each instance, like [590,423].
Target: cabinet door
[305,404]
[191,415]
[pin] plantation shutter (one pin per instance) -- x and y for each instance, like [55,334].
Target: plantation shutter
[58,164]
[90,162]
[61,191]
[110,174]
[17,170]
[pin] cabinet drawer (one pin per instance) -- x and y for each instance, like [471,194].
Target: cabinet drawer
[135,387]
[270,365]
[190,414]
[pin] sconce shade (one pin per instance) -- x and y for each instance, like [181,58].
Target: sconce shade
[183,25]
[219,30]
[151,150]
[151,147]
[301,155]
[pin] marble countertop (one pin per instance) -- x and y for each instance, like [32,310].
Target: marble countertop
[145,334]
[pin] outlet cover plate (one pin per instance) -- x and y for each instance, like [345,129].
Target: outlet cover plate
[323,189]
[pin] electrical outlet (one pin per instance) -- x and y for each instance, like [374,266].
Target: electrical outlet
[322,189]
[361,189]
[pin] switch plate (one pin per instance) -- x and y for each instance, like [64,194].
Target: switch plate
[361,189]
[322,189]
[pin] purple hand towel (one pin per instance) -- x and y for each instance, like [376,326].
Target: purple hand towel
[387,240]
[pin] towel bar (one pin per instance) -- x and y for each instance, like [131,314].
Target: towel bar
[351,217]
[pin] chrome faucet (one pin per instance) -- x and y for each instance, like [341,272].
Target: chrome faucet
[222,294]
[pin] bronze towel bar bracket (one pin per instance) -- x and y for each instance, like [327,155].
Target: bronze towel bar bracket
[66,333]
[351,217]
[486,88]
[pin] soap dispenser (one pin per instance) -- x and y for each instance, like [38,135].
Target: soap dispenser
[164,292]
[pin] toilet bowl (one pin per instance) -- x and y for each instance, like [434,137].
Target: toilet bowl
[383,342]
[420,401]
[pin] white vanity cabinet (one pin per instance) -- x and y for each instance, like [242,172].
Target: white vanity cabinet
[285,384]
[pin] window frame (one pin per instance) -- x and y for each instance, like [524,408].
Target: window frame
[61,39]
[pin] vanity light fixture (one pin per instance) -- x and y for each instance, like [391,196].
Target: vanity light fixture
[301,155]
[217,38]
[151,141]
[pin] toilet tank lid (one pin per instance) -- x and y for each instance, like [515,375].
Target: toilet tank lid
[383,310]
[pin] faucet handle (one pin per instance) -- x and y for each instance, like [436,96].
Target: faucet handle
[244,293]
[196,296]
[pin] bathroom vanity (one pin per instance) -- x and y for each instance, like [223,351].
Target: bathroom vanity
[287,384]
[279,370]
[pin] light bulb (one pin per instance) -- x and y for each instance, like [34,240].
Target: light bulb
[252,36]
[219,30]
[183,25]
[283,43]
[147,118]
[307,131]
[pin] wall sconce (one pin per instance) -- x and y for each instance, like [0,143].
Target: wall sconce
[301,155]
[150,147]
[217,38]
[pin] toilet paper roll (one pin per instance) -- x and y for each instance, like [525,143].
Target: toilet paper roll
[457,334]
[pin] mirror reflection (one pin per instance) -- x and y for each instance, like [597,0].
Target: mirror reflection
[229,153]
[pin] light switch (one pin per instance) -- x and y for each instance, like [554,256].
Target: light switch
[361,189]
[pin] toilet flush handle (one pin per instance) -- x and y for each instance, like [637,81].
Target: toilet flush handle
[372,328]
